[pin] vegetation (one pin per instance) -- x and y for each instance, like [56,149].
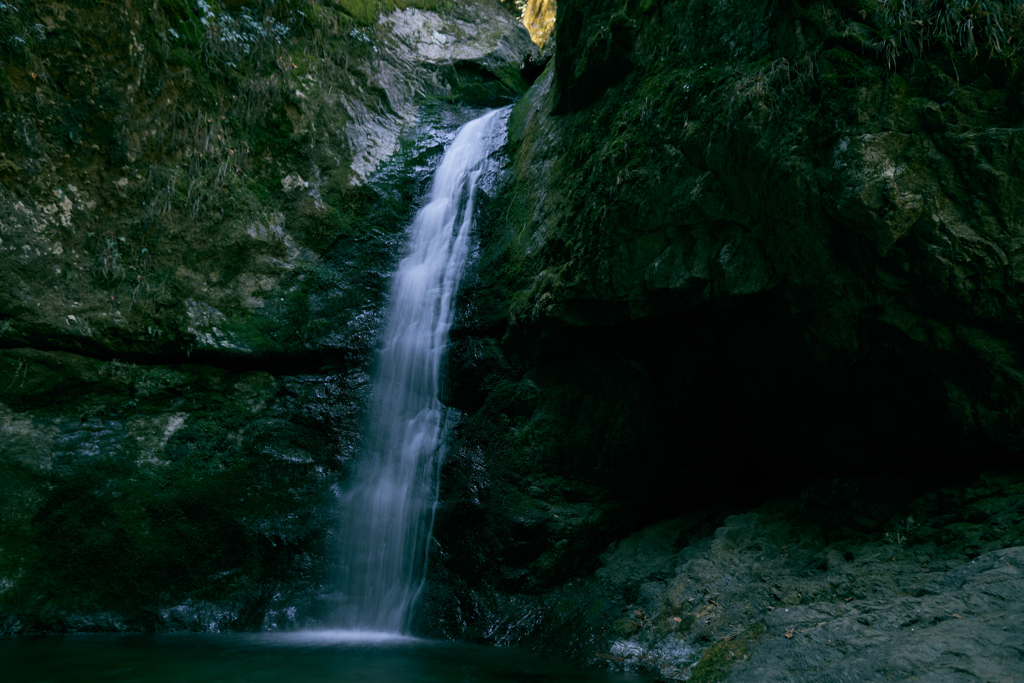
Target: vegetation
[970,27]
[717,660]
[184,137]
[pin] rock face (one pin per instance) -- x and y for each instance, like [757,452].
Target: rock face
[876,211]
[842,582]
[175,214]
[539,19]
[742,249]
[200,205]
[738,358]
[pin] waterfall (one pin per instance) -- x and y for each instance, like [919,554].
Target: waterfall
[389,510]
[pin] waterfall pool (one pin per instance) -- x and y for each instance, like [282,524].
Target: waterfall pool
[300,656]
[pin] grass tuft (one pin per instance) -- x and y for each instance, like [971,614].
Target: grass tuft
[970,27]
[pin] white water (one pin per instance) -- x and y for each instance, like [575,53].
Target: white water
[389,511]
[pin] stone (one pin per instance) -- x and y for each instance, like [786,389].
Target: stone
[293,181]
[194,263]
[626,628]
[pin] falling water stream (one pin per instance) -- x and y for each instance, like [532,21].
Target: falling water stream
[387,516]
[388,512]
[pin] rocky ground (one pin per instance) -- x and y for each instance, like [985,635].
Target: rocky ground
[848,580]
[938,596]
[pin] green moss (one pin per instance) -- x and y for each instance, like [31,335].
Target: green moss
[319,228]
[841,68]
[129,528]
[275,135]
[626,628]
[8,96]
[718,659]
[179,56]
[179,11]
[184,18]
[8,169]
[432,5]
[15,41]
[363,11]
[666,623]
[529,103]
[109,535]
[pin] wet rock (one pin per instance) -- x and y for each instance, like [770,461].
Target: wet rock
[195,254]
[626,627]
[186,213]
[103,491]
[680,192]
[789,590]
[482,36]
[965,631]
[735,253]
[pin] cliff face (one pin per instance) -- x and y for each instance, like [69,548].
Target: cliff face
[168,167]
[745,250]
[747,257]
[692,162]
[200,205]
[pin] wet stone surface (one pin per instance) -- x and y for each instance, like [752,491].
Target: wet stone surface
[843,579]
[168,497]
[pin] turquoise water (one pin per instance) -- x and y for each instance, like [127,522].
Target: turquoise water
[301,656]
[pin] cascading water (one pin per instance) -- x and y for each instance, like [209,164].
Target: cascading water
[389,511]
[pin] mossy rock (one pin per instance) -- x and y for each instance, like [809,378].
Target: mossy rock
[125,523]
[626,628]
[665,623]
[599,56]
[8,169]
[841,68]
[8,96]
[363,11]
[718,659]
